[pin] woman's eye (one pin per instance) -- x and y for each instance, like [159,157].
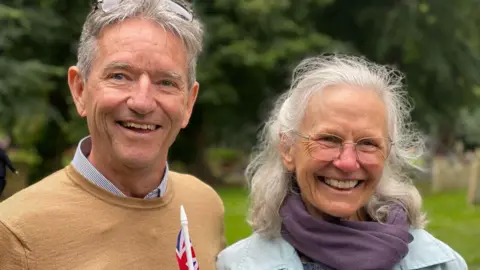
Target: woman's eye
[330,139]
[367,142]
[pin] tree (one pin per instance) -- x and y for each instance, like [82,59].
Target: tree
[253,45]
[250,50]
[435,43]
[37,42]
[469,128]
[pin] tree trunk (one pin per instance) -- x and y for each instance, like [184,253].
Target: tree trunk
[50,148]
[190,148]
[200,167]
[53,142]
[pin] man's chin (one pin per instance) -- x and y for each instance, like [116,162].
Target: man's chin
[137,164]
[138,160]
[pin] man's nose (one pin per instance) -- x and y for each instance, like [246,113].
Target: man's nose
[141,100]
[347,160]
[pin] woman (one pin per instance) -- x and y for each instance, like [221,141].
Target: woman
[328,184]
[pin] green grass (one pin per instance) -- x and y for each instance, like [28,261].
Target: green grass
[451,220]
[456,223]
[235,201]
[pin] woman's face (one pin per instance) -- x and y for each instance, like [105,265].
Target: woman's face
[335,180]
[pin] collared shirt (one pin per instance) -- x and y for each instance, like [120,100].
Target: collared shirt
[86,169]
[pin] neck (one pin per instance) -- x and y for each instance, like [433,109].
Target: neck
[133,182]
[360,215]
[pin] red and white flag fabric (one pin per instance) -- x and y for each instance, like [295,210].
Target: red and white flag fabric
[182,253]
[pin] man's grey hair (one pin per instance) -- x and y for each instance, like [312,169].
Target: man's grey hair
[269,181]
[190,32]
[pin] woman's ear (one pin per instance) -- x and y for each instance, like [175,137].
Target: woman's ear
[287,152]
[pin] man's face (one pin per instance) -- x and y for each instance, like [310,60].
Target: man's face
[136,98]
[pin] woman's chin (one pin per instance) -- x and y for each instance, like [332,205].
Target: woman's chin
[337,210]
[344,216]
[338,204]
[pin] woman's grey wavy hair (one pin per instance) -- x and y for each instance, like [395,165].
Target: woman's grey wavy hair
[269,181]
[160,11]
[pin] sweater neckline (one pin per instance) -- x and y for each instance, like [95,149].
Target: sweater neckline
[127,202]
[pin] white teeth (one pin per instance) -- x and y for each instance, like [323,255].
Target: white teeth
[139,126]
[341,184]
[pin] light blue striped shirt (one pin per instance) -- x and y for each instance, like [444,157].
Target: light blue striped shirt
[86,169]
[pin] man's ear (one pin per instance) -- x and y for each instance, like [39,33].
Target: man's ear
[77,87]
[287,152]
[191,98]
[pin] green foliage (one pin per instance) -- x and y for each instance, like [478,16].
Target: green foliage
[250,49]
[470,126]
[26,81]
[178,167]
[25,156]
[37,44]
[224,155]
[436,45]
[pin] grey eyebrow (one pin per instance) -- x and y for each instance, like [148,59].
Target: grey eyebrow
[170,74]
[324,133]
[118,65]
[127,66]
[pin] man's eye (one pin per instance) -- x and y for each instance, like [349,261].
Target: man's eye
[117,76]
[167,83]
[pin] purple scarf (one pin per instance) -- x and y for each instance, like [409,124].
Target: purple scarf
[339,244]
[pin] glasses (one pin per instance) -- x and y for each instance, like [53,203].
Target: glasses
[328,147]
[173,6]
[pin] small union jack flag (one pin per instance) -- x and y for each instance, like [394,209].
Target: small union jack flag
[182,253]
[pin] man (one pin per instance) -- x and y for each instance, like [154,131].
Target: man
[117,205]
[4,163]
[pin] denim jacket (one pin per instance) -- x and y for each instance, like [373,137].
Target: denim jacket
[425,253]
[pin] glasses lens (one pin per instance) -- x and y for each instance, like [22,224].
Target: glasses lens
[373,150]
[370,157]
[321,153]
[368,150]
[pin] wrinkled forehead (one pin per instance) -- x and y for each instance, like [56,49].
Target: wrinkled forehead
[346,107]
[142,43]
[137,30]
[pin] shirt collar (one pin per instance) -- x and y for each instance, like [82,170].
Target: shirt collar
[81,163]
